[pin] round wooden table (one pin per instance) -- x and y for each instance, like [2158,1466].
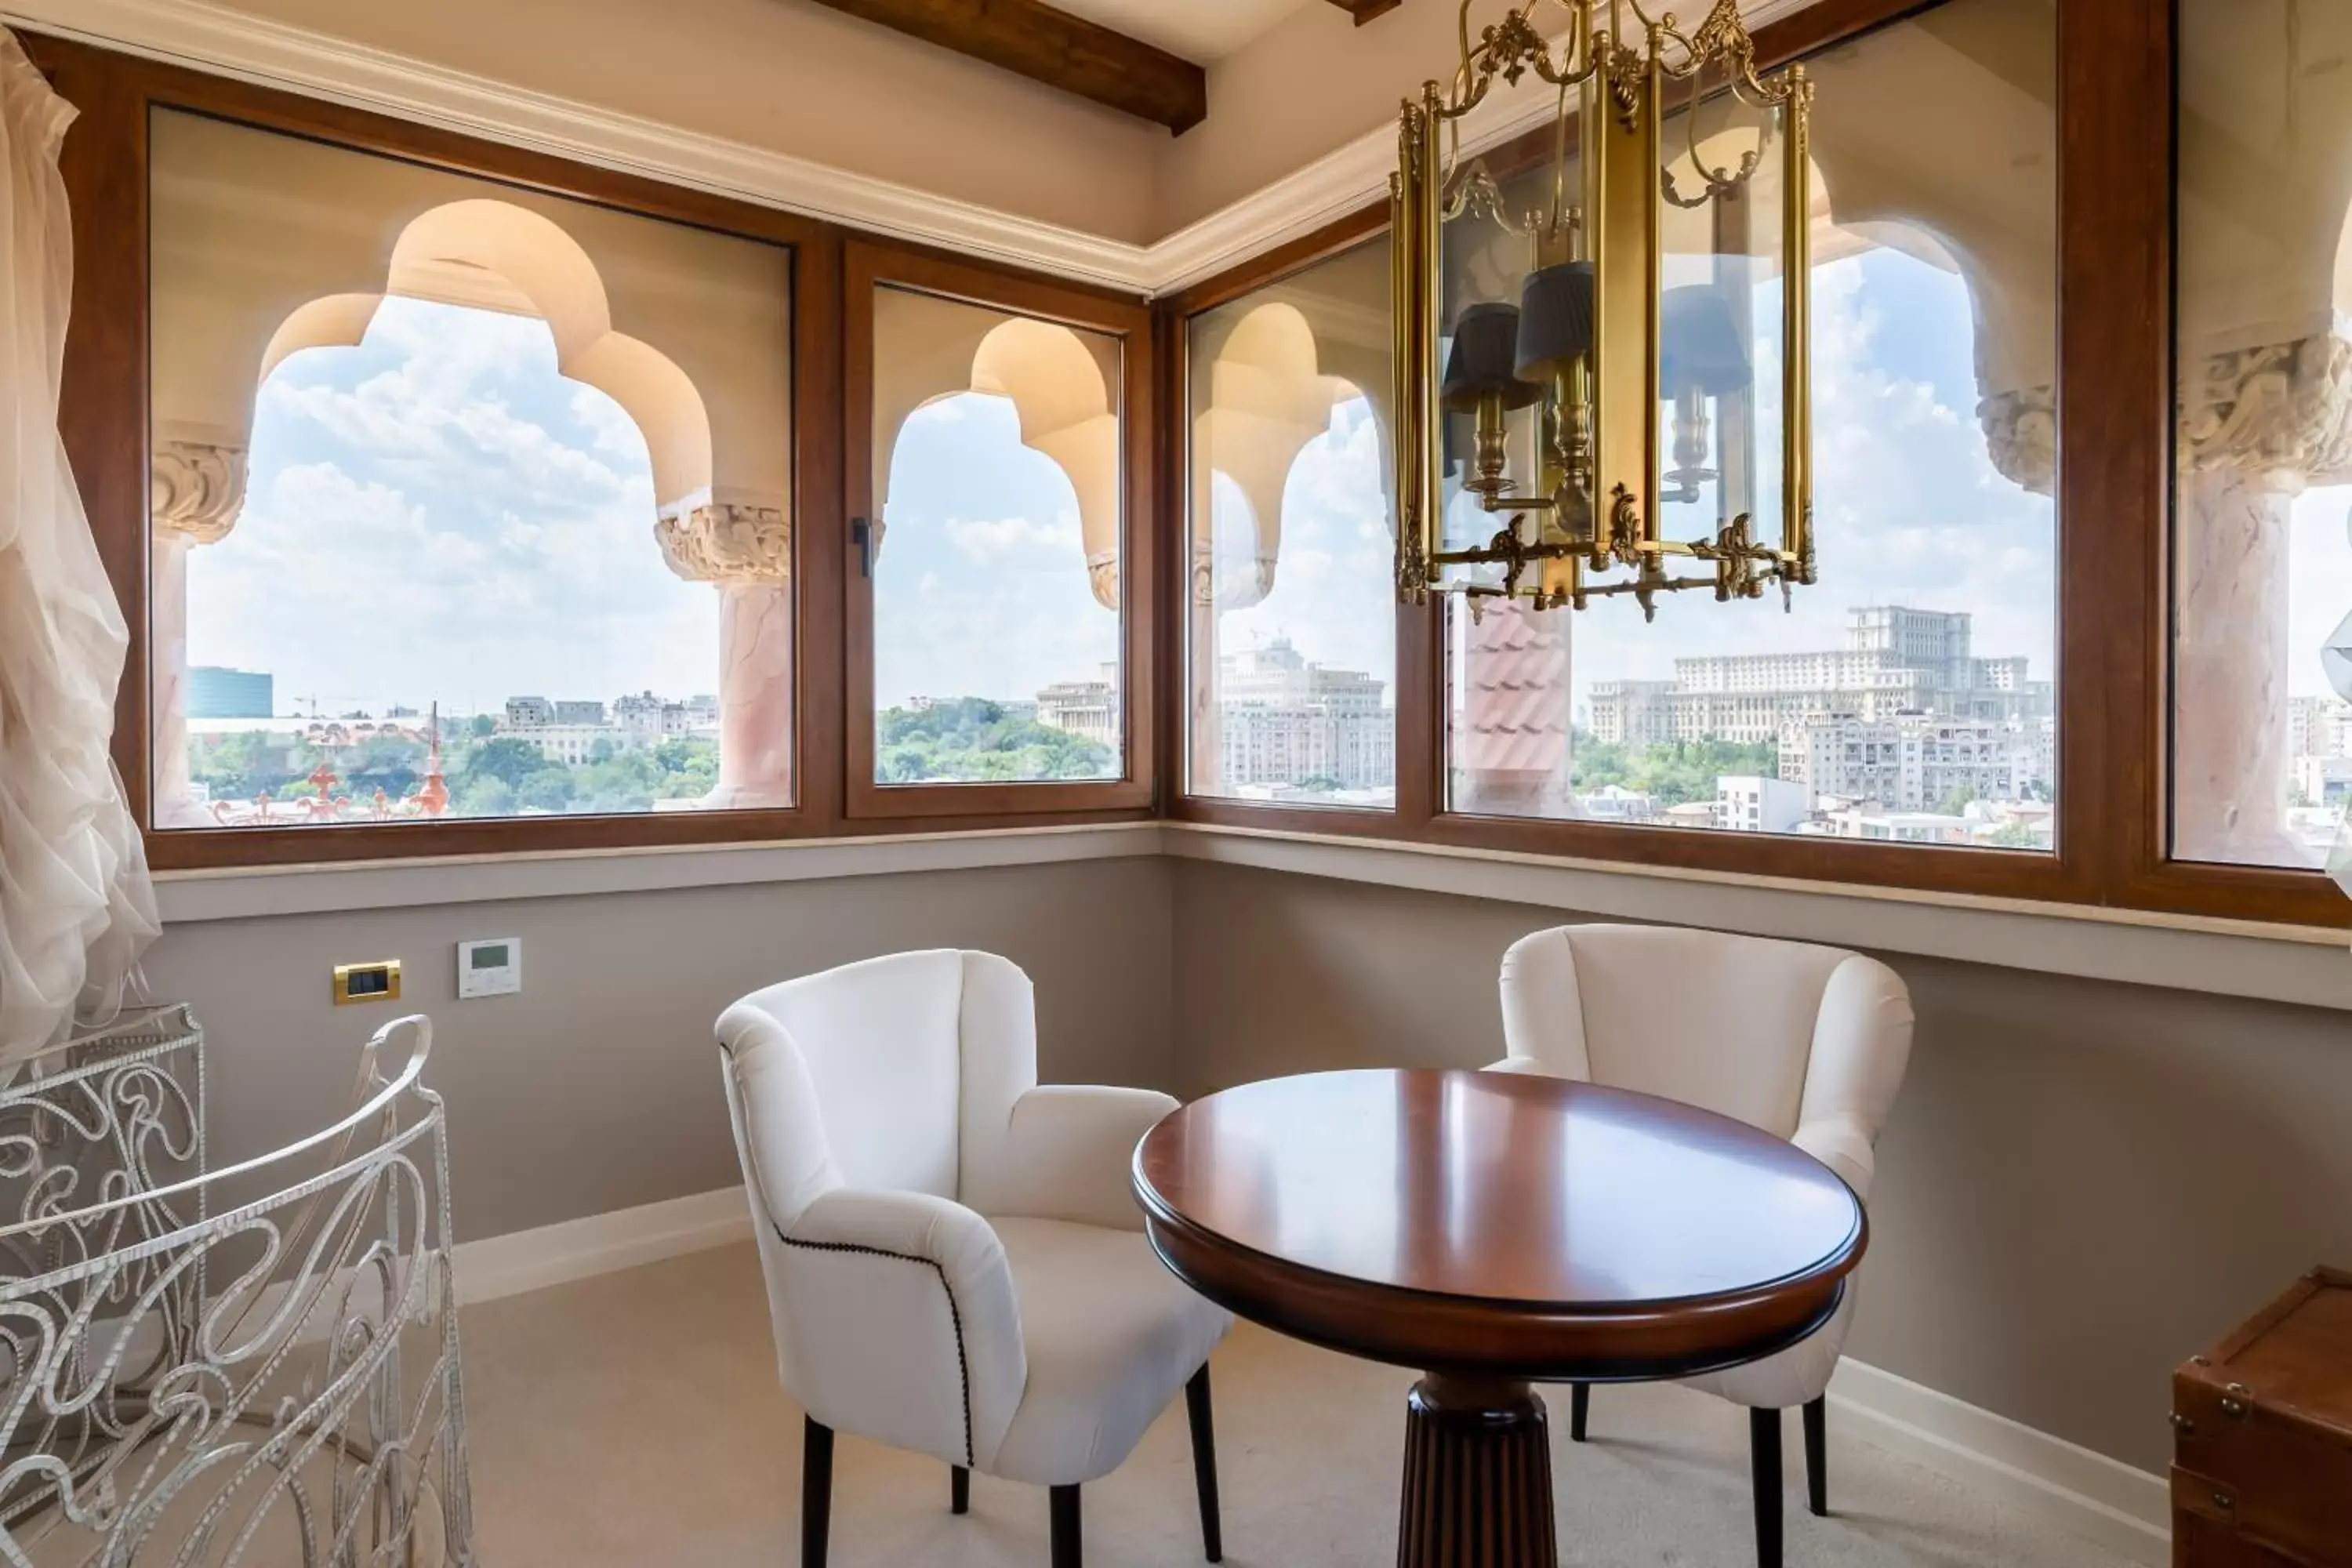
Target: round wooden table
[1493,1230]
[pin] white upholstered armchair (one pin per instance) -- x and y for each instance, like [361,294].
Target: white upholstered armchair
[1807,1043]
[955,1262]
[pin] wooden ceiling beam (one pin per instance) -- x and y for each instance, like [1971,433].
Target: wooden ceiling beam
[1054,47]
[1364,11]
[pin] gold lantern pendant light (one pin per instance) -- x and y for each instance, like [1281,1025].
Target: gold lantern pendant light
[1584,376]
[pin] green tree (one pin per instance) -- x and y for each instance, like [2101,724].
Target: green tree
[1680,772]
[2014,836]
[241,765]
[484,794]
[548,789]
[507,759]
[484,726]
[1957,804]
[974,740]
[386,762]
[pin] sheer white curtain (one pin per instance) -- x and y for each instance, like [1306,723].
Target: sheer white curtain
[76,906]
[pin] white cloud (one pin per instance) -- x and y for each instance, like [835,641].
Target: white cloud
[437,514]
[989,542]
[1909,509]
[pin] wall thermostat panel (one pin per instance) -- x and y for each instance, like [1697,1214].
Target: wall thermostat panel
[491,967]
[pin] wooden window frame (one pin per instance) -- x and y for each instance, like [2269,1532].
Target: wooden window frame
[870,264]
[2117,62]
[2116,228]
[104,422]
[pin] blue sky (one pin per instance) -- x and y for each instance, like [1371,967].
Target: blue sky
[1334,591]
[437,515]
[491,525]
[1908,507]
[2319,584]
[981,589]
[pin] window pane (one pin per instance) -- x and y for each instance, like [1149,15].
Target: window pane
[2262,732]
[469,501]
[1907,697]
[1293,600]
[1000,472]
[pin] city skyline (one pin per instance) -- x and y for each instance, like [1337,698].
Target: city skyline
[1908,507]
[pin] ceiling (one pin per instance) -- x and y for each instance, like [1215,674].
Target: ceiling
[1202,31]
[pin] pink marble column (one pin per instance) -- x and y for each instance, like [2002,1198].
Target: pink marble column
[2230,670]
[746,550]
[196,491]
[2258,427]
[755,697]
[1511,716]
[174,803]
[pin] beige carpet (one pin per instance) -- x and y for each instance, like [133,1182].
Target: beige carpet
[634,1419]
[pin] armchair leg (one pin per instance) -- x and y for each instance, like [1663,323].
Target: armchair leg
[1817,1454]
[1764,1453]
[959,1490]
[816,1492]
[1067,1552]
[1580,1405]
[1205,1463]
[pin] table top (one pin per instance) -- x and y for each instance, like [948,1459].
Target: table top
[1493,1221]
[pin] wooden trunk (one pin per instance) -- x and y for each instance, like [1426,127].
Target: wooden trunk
[2261,1472]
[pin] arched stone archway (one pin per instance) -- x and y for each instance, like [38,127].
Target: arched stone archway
[1267,376]
[1063,384]
[721,512]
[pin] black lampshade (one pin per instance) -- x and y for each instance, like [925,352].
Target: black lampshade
[1700,349]
[1485,342]
[1555,319]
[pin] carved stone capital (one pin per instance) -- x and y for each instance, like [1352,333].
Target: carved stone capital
[2021,436]
[195,489]
[730,542]
[2280,415]
[1102,574]
[1221,586]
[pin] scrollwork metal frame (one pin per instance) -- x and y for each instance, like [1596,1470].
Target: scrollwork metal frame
[312,1409]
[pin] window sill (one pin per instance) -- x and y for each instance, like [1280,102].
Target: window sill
[247,892]
[2307,966]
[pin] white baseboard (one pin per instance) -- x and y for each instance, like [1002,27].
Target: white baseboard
[2069,1487]
[601,1244]
[2127,1512]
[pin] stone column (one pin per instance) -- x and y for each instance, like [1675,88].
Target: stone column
[2257,427]
[195,493]
[1510,744]
[746,550]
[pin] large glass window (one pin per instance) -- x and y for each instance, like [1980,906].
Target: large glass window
[1292,620]
[1908,696]
[1000,477]
[2262,607]
[469,501]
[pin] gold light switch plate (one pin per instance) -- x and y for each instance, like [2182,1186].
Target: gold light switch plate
[378,981]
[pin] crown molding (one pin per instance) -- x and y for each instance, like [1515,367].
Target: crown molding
[272,54]
[1346,181]
[210,38]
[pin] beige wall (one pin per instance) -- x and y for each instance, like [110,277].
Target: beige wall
[2084,1182]
[1310,85]
[597,1089]
[791,76]
[2082,1185]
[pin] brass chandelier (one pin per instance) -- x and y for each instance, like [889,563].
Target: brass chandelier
[1585,349]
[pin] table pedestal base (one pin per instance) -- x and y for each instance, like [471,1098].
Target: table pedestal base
[1477,1478]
